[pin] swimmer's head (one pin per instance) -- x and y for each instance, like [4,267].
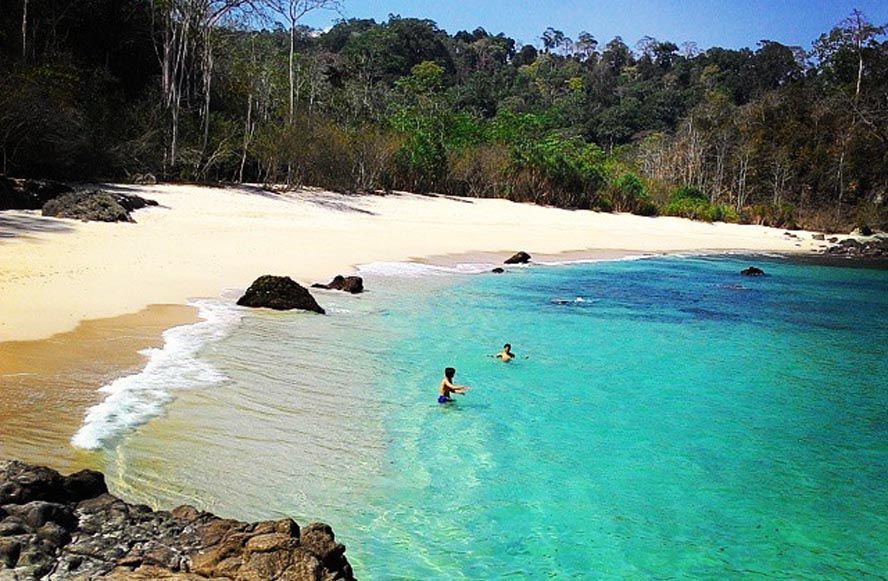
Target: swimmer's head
[507,346]
[449,372]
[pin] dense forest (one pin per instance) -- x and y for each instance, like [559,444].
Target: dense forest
[240,91]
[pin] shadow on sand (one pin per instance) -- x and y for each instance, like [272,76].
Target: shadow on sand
[14,225]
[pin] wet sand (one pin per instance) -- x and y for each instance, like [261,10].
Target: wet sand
[47,385]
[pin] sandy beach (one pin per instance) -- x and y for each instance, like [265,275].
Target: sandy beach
[201,241]
[80,301]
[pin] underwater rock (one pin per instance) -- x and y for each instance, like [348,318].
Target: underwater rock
[752,271]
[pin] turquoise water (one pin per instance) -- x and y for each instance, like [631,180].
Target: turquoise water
[670,419]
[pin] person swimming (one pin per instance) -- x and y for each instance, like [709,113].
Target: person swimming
[447,386]
[506,354]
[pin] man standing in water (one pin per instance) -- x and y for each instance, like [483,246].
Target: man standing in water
[506,354]
[447,387]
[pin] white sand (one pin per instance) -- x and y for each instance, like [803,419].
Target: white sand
[205,240]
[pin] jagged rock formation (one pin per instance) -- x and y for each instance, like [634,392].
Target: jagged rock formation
[349,284]
[96,206]
[281,293]
[69,527]
[875,248]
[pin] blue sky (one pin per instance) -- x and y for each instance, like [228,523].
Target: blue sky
[727,23]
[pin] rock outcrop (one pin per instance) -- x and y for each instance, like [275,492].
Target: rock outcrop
[875,248]
[498,270]
[349,284]
[21,194]
[69,527]
[95,206]
[280,293]
[518,258]
[752,271]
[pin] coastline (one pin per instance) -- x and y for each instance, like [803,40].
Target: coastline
[202,241]
[133,281]
[48,384]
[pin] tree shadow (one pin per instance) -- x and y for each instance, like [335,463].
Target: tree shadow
[15,225]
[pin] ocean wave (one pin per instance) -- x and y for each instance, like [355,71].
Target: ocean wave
[573,261]
[134,399]
[418,269]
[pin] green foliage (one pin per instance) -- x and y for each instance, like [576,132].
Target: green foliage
[404,104]
[559,169]
[629,194]
[688,194]
[690,202]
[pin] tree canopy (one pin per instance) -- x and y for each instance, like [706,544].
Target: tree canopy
[224,90]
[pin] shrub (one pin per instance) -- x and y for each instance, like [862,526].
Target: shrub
[778,216]
[646,208]
[628,192]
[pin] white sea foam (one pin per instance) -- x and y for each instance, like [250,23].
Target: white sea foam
[597,260]
[134,399]
[417,269]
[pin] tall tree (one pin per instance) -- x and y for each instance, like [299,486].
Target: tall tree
[293,11]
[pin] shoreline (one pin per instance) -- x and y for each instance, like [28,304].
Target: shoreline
[202,241]
[49,384]
[115,347]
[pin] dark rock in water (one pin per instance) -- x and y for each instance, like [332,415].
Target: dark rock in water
[102,537]
[865,230]
[818,237]
[498,270]
[95,206]
[281,293]
[349,284]
[519,258]
[833,239]
[752,271]
[21,194]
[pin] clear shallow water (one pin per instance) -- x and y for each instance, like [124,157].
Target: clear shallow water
[672,419]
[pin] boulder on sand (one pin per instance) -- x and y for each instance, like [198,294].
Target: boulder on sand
[349,284]
[95,206]
[280,293]
[752,271]
[519,258]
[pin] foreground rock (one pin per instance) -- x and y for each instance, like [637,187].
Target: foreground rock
[349,284]
[21,194]
[280,293]
[875,248]
[69,527]
[95,206]
[519,258]
[752,271]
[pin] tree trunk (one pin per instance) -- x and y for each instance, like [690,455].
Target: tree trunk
[248,134]
[292,49]
[25,30]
